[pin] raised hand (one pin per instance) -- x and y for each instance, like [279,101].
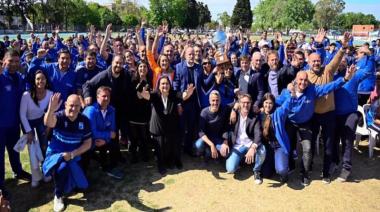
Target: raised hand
[279,37]
[346,39]
[165,26]
[160,31]
[320,36]
[144,93]
[350,72]
[41,53]
[55,102]
[109,29]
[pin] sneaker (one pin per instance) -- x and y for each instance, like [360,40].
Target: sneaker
[35,184]
[58,204]
[305,179]
[258,178]
[47,179]
[326,180]
[344,174]
[23,175]
[115,173]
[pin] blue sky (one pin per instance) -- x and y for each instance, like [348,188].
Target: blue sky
[219,6]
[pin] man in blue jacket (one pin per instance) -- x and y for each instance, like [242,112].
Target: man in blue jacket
[103,127]
[60,75]
[87,71]
[12,86]
[187,73]
[301,113]
[346,104]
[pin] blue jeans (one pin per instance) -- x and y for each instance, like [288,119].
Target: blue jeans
[200,147]
[236,155]
[281,161]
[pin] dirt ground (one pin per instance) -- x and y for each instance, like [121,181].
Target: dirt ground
[200,187]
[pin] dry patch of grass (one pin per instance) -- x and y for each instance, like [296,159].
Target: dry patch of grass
[200,187]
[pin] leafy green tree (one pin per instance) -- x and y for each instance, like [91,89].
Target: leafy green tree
[267,14]
[191,15]
[130,20]
[204,14]
[283,14]
[346,20]
[172,11]
[224,18]
[297,13]
[242,14]
[326,12]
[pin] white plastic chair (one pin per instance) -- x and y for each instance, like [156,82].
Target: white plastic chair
[364,130]
[361,130]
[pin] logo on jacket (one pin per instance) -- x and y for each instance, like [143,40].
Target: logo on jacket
[81,126]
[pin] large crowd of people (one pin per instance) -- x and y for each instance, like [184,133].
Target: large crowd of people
[247,102]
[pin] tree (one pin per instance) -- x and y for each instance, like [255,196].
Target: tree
[242,14]
[346,20]
[267,15]
[283,14]
[224,19]
[172,11]
[130,20]
[297,13]
[326,11]
[191,15]
[204,15]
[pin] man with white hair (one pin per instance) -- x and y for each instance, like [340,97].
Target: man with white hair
[212,124]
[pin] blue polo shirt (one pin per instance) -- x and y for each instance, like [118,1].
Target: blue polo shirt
[69,135]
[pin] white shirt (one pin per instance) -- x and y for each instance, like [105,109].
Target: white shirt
[242,137]
[164,101]
[30,111]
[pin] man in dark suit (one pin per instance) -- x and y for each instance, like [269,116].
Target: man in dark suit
[246,140]
[187,73]
[250,80]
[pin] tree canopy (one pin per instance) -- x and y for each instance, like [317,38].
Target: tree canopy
[242,15]
[326,12]
[283,14]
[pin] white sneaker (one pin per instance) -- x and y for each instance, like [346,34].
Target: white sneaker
[35,184]
[47,179]
[58,204]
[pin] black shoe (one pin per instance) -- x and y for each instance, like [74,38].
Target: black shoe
[305,179]
[122,160]
[134,159]
[258,178]
[284,179]
[344,174]
[326,180]
[179,165]
[162,170]
[23,175]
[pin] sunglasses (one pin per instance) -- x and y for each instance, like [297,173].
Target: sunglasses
[206,63]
